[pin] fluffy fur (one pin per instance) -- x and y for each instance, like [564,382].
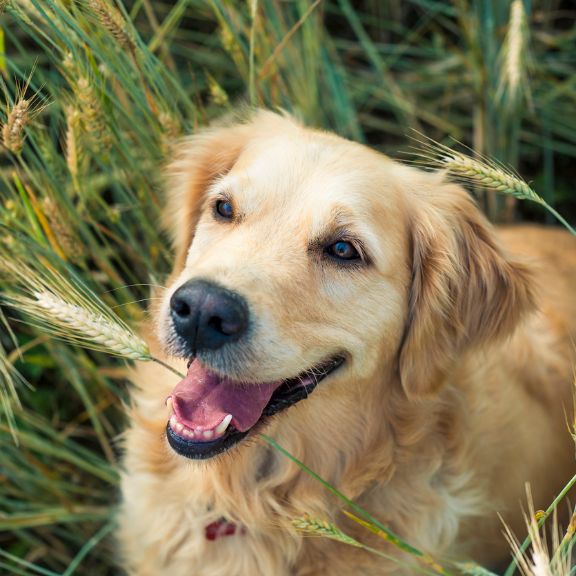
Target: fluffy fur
[458,374]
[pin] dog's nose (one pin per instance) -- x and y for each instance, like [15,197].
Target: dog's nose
[207,316]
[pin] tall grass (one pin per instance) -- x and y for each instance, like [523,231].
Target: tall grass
[93,94]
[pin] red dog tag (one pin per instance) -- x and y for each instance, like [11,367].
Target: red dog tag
[220,528]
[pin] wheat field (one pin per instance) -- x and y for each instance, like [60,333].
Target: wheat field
[94,95]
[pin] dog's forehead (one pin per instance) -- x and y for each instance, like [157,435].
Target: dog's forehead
[319,176]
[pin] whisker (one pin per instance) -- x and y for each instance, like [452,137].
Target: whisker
[133,285]
[134,302]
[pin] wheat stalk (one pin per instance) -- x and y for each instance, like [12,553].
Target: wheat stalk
[68,310]
[217,94]
[89,109]
[171,130]
[323,528]
[19,115]
[538,562]
[514,54]
[73,151]
[9,378]
[18,10]
[13,129]
[71,311]
[85,116]
[79,323]
[480,172]
[488,175]
[61,229]
[112,20]
[541,560]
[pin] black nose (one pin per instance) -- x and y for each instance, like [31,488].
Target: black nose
[207,316]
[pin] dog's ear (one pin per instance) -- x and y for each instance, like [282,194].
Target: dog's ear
[465,292]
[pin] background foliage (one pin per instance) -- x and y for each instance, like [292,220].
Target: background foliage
[95,91]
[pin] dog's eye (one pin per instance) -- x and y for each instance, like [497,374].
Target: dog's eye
[343,251]
[224,209]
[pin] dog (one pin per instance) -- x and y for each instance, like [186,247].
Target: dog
[366,316]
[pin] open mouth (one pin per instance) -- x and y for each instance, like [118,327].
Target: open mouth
[210,413]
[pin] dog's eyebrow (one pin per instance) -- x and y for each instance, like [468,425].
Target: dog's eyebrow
[339,226]
[226,184]
[219,187]
[339,222]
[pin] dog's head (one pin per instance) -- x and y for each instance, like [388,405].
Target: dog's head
[304,260]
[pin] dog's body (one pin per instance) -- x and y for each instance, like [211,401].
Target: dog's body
[455,388]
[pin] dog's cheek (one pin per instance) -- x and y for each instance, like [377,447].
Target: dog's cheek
[369,321]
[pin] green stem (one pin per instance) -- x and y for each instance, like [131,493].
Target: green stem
[410,567]
[559,217]
[565,547]
[167,366]
[88,547]
[28,565]
[251,68]
[390,536]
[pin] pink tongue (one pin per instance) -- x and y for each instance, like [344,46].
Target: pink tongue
[202,400]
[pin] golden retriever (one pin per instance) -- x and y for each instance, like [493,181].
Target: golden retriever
[366,316]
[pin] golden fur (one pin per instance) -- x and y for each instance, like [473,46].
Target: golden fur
[459,365]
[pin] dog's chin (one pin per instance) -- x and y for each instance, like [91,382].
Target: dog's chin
[200,431]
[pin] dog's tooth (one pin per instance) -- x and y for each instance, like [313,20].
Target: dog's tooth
[173,421]
[179,427]
[208,434]
[169,402]
[221,428]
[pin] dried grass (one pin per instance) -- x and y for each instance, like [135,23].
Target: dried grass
[543,558]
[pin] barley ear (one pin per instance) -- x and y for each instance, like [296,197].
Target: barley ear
[70,311]
[61,229]
[111,19]
[479,172]
[13,129]
[19,115]
[74,152]
[315,527]
[513,60]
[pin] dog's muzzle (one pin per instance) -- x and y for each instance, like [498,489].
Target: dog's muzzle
[207,316]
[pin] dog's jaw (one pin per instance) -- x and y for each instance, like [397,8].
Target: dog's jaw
[211,414]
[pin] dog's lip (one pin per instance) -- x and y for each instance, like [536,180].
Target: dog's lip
[200,445]
[294,389]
